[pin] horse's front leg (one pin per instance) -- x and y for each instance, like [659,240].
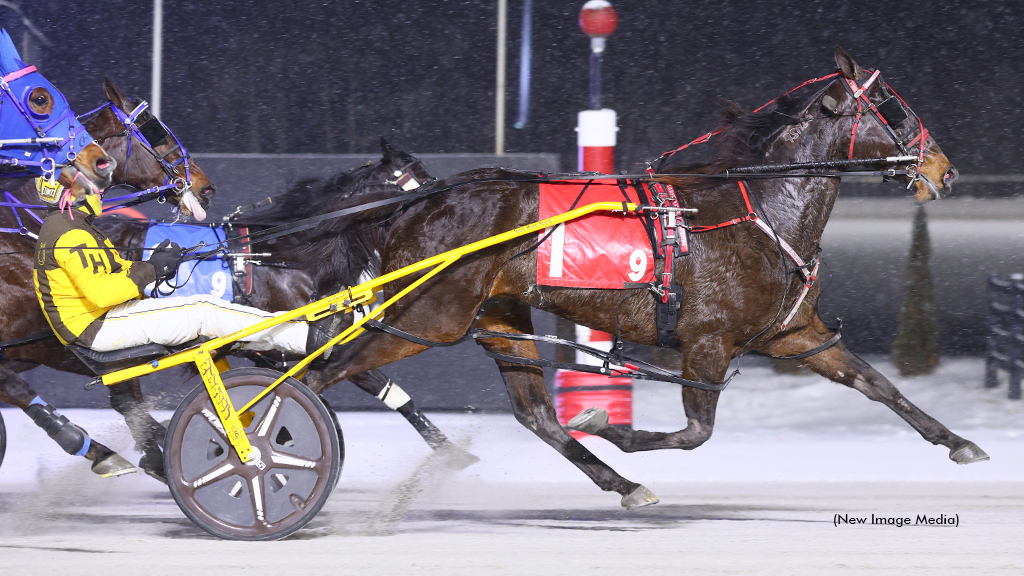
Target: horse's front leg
[375,383]
[126,398]
[706,361]
[840,365]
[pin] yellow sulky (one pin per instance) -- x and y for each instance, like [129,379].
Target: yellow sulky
[345,301]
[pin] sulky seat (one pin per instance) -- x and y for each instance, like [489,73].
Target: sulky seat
[106,362]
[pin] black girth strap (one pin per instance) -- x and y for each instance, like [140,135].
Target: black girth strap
[666,316]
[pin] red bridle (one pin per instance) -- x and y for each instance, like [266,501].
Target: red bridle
[858,93]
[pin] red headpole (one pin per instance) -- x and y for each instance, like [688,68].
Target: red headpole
[598,19]
[596,128]
[595,138]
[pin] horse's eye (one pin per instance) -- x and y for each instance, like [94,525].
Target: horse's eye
[39,100]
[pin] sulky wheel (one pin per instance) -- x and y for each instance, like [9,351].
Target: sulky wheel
[295,437]
[3,439]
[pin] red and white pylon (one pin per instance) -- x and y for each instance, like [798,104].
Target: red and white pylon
[595,137]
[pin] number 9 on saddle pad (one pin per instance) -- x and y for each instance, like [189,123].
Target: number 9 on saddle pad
[207,277]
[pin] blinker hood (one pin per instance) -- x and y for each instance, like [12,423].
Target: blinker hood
[19,122]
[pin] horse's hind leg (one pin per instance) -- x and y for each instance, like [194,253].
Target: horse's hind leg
[707,361]
[374,382]
[126,398]
[532,405]
[71,438]
[840,365]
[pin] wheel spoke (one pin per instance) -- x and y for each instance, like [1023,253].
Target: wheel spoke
[214,474]
[214,421]
[267,422]
[288,461]
[257,498]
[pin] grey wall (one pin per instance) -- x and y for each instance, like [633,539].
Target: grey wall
[245,178]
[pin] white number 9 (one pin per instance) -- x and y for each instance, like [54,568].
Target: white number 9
[219,280]
[638,265]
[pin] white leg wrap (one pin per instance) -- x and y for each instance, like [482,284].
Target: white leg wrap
[393,396]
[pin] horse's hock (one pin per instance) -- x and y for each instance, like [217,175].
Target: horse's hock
[1005,344]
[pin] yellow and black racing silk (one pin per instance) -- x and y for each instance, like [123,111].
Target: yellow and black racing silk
[79,276]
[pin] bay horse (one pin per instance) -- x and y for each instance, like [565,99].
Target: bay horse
[279,285]
[738,281]
[137,165]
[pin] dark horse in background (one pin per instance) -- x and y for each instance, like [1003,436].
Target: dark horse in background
[20,315]
[279,285]
[738,283]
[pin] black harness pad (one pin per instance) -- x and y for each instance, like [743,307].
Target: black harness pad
[667,316]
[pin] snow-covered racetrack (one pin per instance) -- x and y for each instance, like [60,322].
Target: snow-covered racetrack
[790,453]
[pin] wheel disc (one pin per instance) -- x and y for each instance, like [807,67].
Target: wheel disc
[3,439]
[295,440]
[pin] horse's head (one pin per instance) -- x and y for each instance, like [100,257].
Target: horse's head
[887,127]
[399,168]
[40,132]
[149,155]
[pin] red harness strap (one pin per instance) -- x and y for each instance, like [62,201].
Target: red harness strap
[673,232]
[809,275]
[750,214]
[243,232]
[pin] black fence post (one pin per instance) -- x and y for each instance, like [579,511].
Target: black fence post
[1004,347]
[991,339]
[1016,355]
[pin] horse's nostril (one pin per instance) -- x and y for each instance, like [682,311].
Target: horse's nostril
[950,176]
[102,164]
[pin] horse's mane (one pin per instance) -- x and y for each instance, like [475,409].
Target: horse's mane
[309,196]
[746,136]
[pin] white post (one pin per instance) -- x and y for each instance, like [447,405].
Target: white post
[158,49]
[499,89]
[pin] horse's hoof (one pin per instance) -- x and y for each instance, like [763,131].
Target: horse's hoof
[456,458]
[968,454]
[113,465]
[639,498]
[152,463]
[590,421]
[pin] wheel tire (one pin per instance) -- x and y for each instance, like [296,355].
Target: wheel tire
[3,439]
[298,443]
[337,426]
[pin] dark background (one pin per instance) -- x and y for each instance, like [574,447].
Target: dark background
[301,77]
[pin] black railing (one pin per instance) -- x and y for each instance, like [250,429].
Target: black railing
[1005,342]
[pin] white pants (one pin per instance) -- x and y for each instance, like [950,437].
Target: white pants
[177,320]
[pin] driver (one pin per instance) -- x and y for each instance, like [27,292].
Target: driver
[94,298]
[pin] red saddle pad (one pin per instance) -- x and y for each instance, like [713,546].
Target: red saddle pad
[601,250]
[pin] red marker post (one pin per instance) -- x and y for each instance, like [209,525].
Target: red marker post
[595,137]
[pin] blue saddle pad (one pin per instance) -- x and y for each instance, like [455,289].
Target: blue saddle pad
[209,277]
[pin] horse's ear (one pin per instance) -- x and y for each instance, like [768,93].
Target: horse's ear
[730,110]
[846,64]
[10,61]
[386,150]
[113,93]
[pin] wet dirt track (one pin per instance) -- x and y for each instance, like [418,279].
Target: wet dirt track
[558,528]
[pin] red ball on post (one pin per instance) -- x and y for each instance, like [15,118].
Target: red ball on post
[598,19]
